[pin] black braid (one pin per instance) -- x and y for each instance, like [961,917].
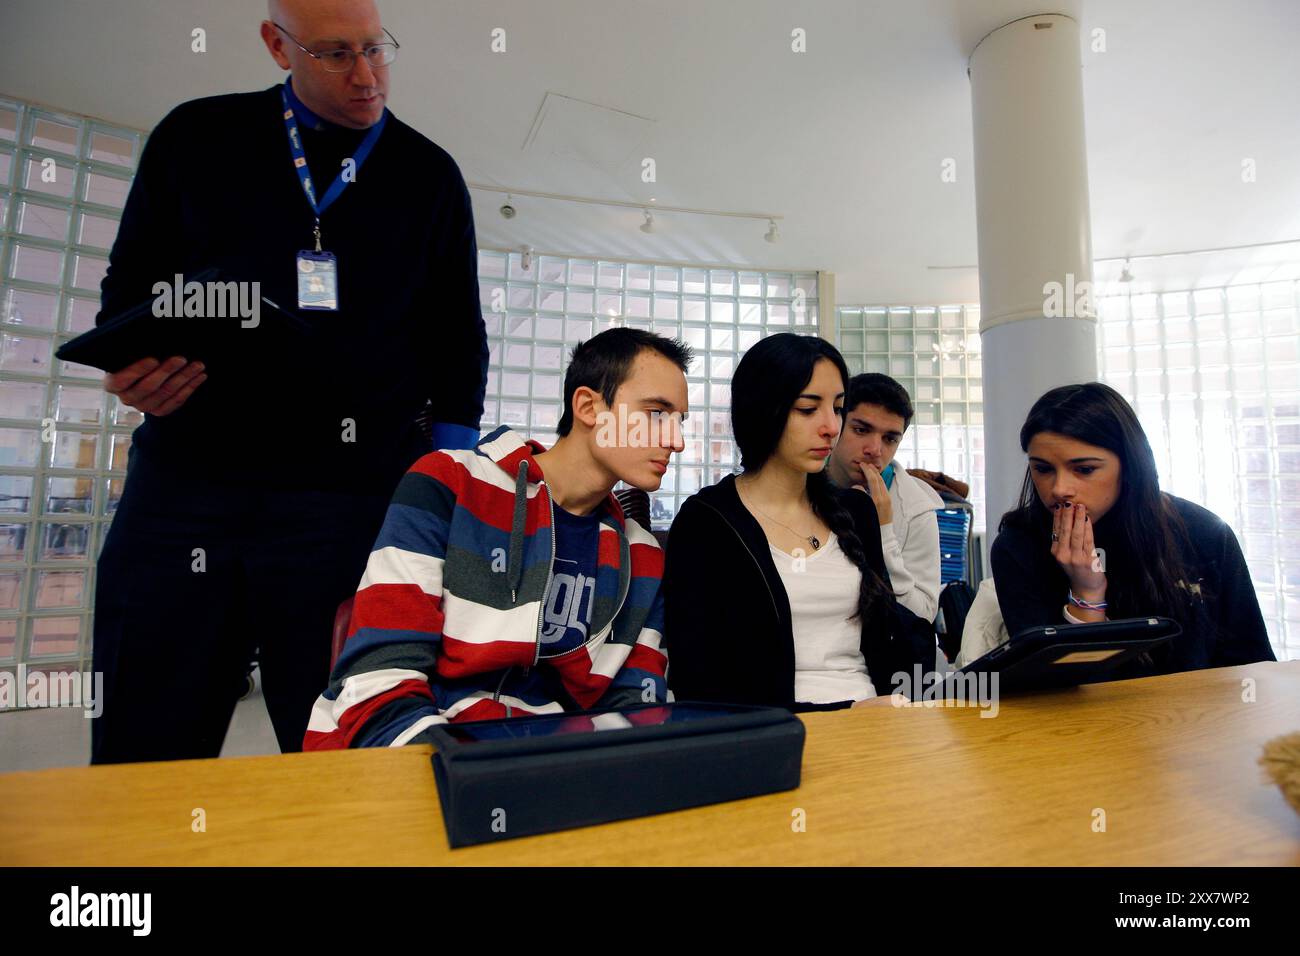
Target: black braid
[825,504]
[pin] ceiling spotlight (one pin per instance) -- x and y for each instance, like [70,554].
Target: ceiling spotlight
[649,224]
[1126,276]
[507,210]
[772,235]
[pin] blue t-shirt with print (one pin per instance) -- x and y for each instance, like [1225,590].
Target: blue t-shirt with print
[566,614]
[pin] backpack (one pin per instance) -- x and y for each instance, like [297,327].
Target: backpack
[954,604]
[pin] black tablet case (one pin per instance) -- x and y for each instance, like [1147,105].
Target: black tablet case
[500,789]
[1029,660]
[137,333]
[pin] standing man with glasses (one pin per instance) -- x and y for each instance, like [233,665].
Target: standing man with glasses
[255,489]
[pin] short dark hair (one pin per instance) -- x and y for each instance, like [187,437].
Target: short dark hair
[875,388]
[603,363]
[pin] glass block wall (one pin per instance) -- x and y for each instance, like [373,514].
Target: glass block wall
[535,316]
[934,353]
[63,442]
[1214,375]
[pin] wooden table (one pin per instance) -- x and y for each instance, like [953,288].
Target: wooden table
[1172,761]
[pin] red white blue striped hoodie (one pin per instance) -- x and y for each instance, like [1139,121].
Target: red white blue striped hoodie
[446,621]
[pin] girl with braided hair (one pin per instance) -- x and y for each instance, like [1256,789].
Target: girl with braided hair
[775,585]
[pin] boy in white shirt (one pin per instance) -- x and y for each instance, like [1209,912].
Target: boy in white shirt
[877,411]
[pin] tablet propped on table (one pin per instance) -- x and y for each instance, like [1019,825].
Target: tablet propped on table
[1064,655]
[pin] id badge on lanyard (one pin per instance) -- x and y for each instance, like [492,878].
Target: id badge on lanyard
[317,273]
[318,281]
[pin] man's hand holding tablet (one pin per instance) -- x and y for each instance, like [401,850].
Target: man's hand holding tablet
[154,387]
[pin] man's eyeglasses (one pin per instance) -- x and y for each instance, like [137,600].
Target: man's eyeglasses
[343,60]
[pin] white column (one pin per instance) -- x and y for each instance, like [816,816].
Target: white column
[1031,194]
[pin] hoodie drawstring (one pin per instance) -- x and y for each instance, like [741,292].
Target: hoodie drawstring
[515,556]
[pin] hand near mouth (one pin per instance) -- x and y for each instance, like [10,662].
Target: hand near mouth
[875,487]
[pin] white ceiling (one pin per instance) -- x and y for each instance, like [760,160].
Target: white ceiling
[845,141]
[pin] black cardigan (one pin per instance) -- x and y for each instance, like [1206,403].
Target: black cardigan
[727,622]
[1224,628]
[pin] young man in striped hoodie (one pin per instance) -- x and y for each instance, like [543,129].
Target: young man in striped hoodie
[505,580]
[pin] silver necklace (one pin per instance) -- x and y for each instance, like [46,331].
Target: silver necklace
[810,538]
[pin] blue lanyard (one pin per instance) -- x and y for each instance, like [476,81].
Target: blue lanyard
[300,161]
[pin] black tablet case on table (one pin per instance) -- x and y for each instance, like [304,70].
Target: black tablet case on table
[521,786]
[1055,655]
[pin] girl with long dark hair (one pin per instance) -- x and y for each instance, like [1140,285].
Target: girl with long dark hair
[1094,538]
[775,589]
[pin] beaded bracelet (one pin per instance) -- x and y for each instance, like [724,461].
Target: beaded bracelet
[1087,605]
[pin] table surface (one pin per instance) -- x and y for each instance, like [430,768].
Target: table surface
[1172,762]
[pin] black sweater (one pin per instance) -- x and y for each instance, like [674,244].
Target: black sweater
[727,622]
[216,187]
[1224,627]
